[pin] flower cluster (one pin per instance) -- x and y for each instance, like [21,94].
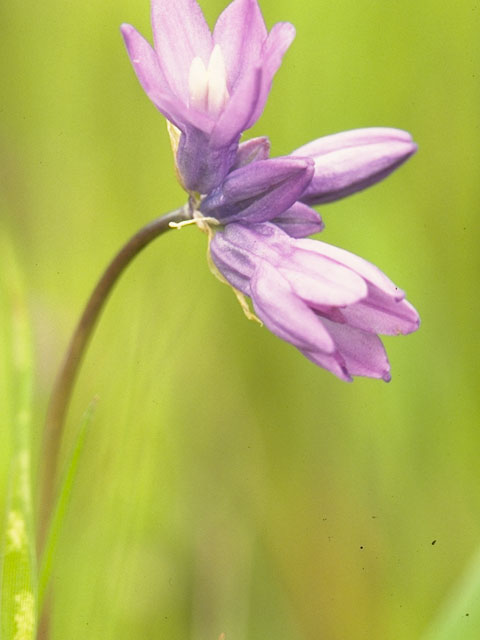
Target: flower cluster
[211,87]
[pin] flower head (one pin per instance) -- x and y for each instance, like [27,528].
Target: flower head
[210,86]
[327,302]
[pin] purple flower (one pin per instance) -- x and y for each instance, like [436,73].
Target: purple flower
[211,87]
[353,160]
[327,302]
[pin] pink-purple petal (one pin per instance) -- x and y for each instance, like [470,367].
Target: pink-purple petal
[240,31]
[152,79]
[322,282]
[299,221]
[366,269]
[379,313]
[252,150]
[362,352]
[279,39]
[264,241]
[238,110]
[146,65]
[332,362]
[256,179]
[284,313]
[352,138]
[236,264]
[180,33]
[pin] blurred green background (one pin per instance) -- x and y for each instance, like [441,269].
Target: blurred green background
[227,484]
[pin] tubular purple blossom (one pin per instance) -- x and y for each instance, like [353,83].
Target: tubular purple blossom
[210,86]
[327,302]
[350,161]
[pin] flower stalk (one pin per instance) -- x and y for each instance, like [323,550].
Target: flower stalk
[67,375]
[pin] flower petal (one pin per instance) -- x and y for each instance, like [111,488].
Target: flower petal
[252,151]
[180,33]
[146,65]
[352,138]
[322,282]
[238,109]
[299,221]
[363,353]
[152,79]
[379,313]
[331,362]
[201,166]
[258,192]
[367,270]
[279,39]
[236,264]
[240,31]
[284,313]
[262,240]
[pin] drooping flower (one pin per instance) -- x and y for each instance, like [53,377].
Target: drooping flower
[327,302]
[210,86]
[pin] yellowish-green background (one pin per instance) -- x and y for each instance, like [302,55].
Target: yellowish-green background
[228,485]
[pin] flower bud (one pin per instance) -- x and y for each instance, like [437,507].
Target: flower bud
[353,160]
[259,191]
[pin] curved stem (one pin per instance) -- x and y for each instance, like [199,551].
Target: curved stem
[65,380]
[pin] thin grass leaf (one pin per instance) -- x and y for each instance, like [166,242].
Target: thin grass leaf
[18,579]
[459,616]
[62,505]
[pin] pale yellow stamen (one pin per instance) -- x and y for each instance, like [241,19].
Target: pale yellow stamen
[201,222]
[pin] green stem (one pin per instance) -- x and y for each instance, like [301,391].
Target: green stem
[65,381]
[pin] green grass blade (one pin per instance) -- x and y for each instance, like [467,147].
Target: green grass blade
[62,505]
[18,580]
[459,616]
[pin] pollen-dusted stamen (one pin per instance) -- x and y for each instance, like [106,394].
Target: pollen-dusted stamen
[208,85]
